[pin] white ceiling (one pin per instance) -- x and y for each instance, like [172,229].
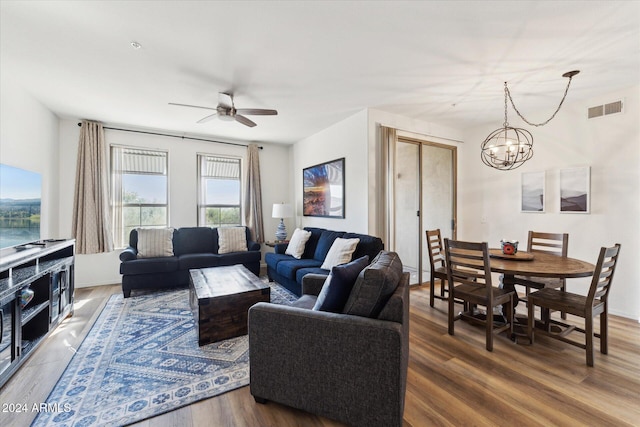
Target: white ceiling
[444,62]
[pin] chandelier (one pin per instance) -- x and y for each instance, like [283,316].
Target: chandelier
[509,147]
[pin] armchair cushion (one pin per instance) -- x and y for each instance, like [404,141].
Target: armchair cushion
[288,268]
[312,243]
[189,261]
[340,253]
[324,244]
[375,285]
[232,239]
[193,240]
[140,266]
[297,243]
[337,287]
[155,242]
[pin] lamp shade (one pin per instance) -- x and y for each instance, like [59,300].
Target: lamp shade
[281,210]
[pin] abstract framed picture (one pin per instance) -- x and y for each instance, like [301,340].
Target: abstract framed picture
[323,189]
[575,186]
[532,195]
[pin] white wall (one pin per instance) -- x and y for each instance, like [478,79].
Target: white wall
[489,200]
[347,139]
[28,140]
[101,269]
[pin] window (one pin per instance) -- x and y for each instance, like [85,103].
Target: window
[139,190]
[218,191]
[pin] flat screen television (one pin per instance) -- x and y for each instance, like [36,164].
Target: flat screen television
[20,201]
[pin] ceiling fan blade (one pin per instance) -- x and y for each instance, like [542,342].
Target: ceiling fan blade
[256,112]
[207,118]
[245,121]
[192,106]
[225,99]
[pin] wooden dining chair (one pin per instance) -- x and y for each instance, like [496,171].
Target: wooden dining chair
[436,261]
[469,279]
[595,303]
[550,243]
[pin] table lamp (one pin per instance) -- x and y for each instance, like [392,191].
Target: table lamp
[281,210]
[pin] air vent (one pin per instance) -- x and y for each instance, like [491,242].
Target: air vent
[595,112]
[612,108]
[605,110]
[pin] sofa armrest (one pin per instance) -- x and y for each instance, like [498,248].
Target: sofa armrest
[128,254]
[320,361]
[312,284]
[253,246]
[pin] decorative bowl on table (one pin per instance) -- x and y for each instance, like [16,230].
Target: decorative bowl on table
[509,247]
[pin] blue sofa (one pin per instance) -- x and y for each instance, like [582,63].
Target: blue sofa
[193,247]
[289,271]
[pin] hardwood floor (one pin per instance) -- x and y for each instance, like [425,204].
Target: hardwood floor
[452,380]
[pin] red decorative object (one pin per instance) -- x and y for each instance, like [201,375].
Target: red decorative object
[509,247]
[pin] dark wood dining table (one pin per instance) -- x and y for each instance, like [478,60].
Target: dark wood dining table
[538,264]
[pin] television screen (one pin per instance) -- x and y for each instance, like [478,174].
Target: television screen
[20,194]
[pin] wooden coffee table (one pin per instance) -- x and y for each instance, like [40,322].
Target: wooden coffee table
[220,298]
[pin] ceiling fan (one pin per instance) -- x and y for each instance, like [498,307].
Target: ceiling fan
[226,110]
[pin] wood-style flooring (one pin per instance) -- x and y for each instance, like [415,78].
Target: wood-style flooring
[452,380]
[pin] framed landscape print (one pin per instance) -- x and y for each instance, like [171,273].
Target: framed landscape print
[574,190]
[323,189]
[532,195]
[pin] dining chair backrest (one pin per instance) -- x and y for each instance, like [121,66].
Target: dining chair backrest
[603,274]
[468,263]
[586,307]
[435,249]
[551,243]
[469,280]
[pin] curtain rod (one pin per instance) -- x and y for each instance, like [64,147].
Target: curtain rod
[175,136]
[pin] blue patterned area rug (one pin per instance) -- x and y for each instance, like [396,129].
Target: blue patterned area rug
[141,359]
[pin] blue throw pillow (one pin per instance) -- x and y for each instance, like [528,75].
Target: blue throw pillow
[324,243]
[337,288]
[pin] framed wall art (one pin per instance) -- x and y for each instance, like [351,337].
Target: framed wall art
[532,195]
[575,186]
[323,192]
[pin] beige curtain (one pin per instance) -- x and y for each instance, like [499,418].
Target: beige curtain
[91,225]
[253,195]
[388,138]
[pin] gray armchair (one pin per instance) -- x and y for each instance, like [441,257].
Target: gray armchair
[345,367]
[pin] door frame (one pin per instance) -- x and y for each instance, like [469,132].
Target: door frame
[390,199]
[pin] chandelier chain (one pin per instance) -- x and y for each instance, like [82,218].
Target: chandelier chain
[508,93]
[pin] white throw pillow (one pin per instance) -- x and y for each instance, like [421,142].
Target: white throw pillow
[340,252]
[297,243]
[232,239]
[155,242]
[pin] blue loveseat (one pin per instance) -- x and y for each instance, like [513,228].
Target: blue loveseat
[193,247]
[289,271]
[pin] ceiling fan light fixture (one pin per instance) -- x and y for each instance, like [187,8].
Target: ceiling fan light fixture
[226,117]
[226,110]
